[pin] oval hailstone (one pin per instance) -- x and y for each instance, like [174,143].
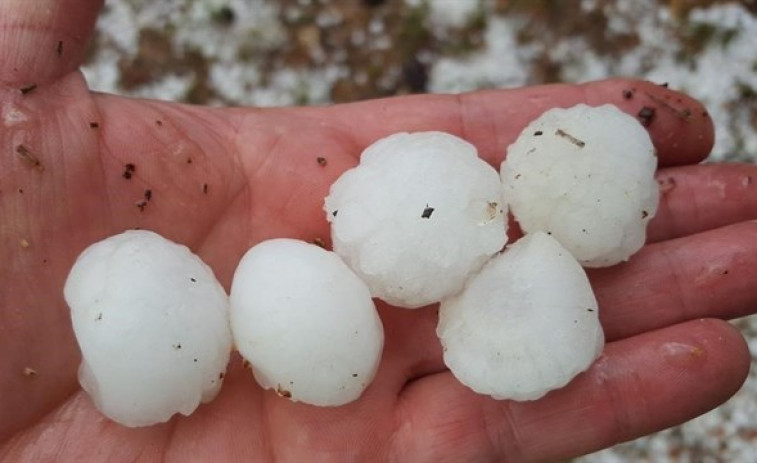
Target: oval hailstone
[305,322]
[586,176]
[526,324]
[418,215]
[152,323]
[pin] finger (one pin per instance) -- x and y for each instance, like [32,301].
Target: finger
[710,274]
[638,386]
[680,127]
[43,40]
[699,198]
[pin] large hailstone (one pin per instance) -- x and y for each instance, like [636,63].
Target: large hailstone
[152,323]
[305,322]
[417,216]
[586,176]
[526,324]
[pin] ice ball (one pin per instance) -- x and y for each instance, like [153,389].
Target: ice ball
[526,324]
[152,323]
[305,322]
[418,214]
[585,175]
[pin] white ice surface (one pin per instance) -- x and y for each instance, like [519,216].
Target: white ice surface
[525,325]
[418,214]
[305,322]
[152,323]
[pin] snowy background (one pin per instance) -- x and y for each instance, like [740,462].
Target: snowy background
[295,52]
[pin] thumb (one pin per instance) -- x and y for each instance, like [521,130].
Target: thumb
[43,40]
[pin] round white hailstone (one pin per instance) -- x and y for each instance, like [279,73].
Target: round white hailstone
[526,324]
[305,322]
[586,176]
[417,216]
[152,323]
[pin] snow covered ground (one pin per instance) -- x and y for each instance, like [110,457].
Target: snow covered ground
[266,53]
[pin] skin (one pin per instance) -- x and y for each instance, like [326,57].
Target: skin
[670,355]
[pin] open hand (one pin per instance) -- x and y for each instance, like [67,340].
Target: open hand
[77,166]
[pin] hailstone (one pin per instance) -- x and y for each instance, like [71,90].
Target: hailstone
[305,322]
[585,175]
[527,323]
[152,323]
[418,214]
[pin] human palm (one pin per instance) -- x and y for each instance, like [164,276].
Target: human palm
[221,180]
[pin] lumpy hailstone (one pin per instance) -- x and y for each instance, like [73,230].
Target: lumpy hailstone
[305,322]
[526,324]
[418,214]
[585,175]
[152,323]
